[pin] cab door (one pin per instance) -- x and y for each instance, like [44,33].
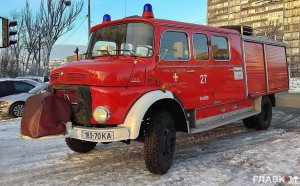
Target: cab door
[204,77]
[175,72]
[228,77]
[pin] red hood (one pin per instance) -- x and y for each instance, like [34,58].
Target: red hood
[96,72]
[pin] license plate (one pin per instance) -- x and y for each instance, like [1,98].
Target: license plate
[92,135]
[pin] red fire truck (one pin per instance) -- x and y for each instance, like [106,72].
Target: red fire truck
[145,79]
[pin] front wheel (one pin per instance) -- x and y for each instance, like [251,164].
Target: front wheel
[80,145]
[17,109]
[159,145]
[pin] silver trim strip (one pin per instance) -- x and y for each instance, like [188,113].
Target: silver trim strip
[223,119]
[245,69]
[199,66]
[225,115]
[266,68]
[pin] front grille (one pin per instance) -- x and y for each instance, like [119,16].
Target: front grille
[70,94]
[81,98]
[54,76]
[72,76]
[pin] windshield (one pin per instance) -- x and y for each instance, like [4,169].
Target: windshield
[132,39]
[38,88]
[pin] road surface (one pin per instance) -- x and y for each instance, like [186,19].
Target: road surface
[230,155]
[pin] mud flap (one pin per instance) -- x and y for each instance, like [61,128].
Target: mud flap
[45,115]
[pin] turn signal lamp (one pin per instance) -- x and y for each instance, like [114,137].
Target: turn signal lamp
[163,88]
[106,18]
[148,13]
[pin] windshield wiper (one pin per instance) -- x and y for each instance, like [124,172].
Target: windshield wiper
[88,53]
[130,51]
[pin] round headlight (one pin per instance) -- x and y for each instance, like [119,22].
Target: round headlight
[101,114]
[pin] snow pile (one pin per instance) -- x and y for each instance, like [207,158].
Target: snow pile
[295,84]
[230,155]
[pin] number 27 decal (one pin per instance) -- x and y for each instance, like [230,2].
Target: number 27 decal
[203,78]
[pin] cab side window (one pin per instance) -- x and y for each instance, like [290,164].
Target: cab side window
[200,47]
[174,46]
[220,48]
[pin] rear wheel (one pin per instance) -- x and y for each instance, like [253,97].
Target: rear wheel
[80,145]
[261,121]
[159,144]
[265,117]
[17,109]
[250,122]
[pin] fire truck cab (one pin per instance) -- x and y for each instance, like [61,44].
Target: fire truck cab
[145,79]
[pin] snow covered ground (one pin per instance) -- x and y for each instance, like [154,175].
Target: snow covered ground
[295,84]
[229,155]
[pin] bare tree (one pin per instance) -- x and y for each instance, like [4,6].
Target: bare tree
[56,20]
[30,32]
[4,61]
[270,30]
[37,34]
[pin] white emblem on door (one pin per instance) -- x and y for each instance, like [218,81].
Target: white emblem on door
[175,76]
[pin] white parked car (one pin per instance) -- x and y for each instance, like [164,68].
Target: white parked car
[10,86]
[35,78]
[14,104]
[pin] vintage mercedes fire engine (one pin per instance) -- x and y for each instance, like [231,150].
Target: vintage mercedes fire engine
[145,79]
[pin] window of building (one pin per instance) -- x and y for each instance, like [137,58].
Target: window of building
[174,46]
[220,49]
[200,47]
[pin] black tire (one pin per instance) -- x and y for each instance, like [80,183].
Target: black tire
[16,110]
[159,144]
[265,117]
[261,121]
[105,143]
[250,122]
[80,145]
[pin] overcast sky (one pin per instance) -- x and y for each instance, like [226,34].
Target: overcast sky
[192,11]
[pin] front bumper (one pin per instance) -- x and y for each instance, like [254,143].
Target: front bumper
[99,134]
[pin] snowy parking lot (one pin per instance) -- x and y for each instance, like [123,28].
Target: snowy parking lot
[230,155]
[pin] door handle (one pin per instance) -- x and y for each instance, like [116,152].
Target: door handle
[190,71]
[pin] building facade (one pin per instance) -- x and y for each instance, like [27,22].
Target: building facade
[273,19]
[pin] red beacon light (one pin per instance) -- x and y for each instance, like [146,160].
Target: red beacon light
[106,18]
[148,13]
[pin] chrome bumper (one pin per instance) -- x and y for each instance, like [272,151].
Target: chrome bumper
[119,133]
